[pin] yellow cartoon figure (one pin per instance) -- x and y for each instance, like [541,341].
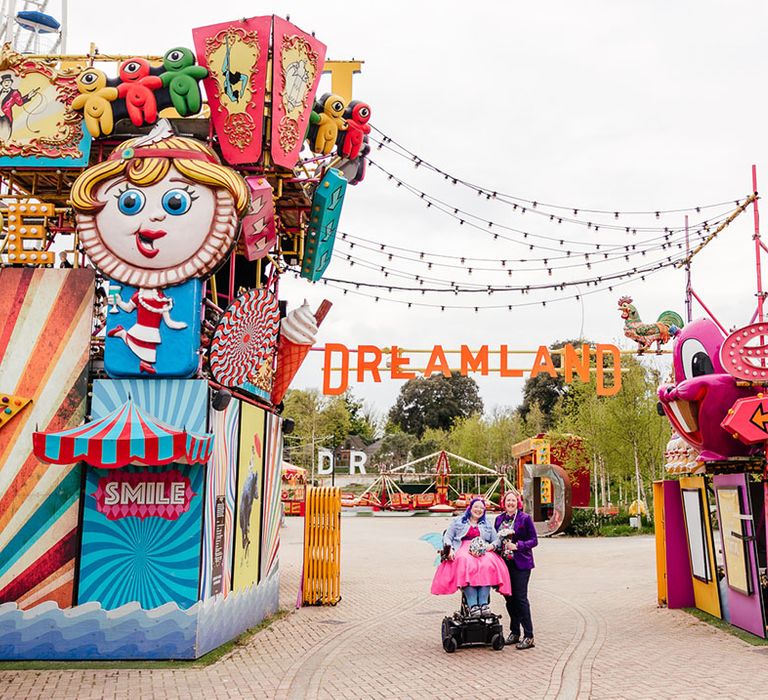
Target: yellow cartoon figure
[95,99]
[328,123]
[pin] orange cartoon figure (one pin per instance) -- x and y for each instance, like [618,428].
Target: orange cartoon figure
[95,99]
[137,89]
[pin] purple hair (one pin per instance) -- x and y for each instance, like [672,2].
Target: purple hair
[468,511]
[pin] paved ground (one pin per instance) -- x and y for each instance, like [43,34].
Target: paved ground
[598,634]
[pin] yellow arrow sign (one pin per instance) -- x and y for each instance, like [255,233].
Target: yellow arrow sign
[759,418]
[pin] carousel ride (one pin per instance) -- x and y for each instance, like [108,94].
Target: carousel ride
[150,206]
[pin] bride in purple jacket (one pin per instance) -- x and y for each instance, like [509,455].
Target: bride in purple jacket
[515,541]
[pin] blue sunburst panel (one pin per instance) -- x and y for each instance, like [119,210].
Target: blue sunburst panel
[182,403]
[149,560]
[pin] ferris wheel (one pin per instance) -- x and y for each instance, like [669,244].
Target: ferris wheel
[34,26]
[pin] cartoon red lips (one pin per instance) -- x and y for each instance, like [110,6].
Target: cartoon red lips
[145,241]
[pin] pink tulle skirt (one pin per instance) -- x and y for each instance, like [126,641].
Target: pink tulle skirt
[467,570]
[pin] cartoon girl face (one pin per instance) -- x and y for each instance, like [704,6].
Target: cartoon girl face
[160,213]
[159,226]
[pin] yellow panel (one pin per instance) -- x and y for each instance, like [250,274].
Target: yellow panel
[661,548]
[706,594]
[341,76]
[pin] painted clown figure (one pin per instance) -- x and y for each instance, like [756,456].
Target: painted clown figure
[156,218]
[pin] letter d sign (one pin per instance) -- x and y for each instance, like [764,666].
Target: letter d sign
[324,462]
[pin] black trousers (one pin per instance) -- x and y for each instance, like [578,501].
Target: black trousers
[518,607]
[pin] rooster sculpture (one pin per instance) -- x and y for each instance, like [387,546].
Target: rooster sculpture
[667,325]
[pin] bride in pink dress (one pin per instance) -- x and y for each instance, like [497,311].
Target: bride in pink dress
[476,574]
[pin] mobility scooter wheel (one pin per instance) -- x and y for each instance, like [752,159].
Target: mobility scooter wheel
[497,642]
[449,644]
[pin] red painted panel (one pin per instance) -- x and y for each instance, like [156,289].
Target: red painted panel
[235,54]
[296,70]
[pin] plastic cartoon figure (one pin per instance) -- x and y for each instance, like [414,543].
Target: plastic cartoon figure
[357,116]
[95,99]
[328,122]
[156,213]
[703,393]
[137,89]
[181,78]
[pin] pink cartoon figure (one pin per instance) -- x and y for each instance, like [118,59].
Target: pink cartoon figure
[156,218]
[703,393]
[137,89]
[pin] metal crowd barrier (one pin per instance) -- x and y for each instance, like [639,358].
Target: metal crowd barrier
[322,546]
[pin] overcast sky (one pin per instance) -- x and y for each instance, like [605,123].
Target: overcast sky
[608,105]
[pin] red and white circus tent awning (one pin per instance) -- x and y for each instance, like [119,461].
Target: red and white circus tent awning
[128,435]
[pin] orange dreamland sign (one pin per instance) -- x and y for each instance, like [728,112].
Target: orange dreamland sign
[372,365]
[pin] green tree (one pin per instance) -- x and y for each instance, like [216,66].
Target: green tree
[435,402]
[624,434]
[546,391]
[319,422]
[395,449]
[362,420]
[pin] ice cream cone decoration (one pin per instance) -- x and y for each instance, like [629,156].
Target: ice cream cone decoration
[298,331]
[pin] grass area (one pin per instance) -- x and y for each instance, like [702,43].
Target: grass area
[624,530]
[727,627]
[210,658]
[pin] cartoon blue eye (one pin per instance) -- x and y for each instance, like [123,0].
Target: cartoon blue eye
[177,202]
[130,202]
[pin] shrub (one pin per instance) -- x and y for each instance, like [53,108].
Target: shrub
[621,518]
[585,523]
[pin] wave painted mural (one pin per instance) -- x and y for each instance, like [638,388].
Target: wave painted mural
[273,508]
[47,312]
[216,568]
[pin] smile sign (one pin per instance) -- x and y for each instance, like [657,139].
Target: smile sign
[144,495]
[371,364]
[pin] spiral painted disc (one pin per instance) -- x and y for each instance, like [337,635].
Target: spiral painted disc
[245,338]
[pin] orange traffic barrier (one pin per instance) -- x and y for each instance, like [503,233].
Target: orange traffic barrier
[322,547]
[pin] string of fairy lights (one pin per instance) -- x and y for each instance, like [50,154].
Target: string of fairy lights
[538,206]
[475,221]
[560,254]
[410,303]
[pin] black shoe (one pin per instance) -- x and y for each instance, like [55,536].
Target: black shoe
[513,639]
[527,643]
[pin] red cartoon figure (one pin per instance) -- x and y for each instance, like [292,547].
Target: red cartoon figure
[351,141]
[137,89]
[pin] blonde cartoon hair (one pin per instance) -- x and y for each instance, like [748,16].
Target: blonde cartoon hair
[142,167]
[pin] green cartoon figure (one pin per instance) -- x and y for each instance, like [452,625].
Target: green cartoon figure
[181,77]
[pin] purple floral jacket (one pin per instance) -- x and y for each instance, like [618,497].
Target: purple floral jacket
[525,537]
